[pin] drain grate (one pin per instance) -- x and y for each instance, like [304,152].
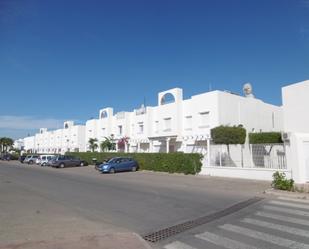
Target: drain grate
[173,230]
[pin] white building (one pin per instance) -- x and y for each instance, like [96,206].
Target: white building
[175,124]
[70,138]
[296,127]
[29,144]
[19,144]
[178,124]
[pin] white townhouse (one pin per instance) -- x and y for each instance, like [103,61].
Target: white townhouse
[29,144]
[70,138]
[295,99]
[175,124]
[183,125]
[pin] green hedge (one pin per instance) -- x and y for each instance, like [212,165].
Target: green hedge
[228,135]
[265,138]
[165,162]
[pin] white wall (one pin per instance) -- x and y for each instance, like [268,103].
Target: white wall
[295,100]
[254,114]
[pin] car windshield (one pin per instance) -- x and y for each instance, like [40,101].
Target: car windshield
[113,160]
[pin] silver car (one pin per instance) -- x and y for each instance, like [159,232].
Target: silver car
[31,159]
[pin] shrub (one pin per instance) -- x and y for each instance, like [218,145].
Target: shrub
[164,162]
[228,135]
[280,182]
[265,138]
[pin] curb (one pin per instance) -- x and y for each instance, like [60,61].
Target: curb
[295,195]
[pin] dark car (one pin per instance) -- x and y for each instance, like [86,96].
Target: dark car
[21,159]
[5,157]
[118,164]
[66,161]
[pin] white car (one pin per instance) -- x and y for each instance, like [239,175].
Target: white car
[44,159]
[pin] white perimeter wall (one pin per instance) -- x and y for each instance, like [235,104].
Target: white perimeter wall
[295,100]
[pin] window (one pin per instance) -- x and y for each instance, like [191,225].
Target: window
[156,128]
[140,128]
[120,129]
[167,124]
[188,123]
[204,119]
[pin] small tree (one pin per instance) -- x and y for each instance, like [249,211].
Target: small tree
[6,143]
[122,142]
[107,144]
[93,144]
[228,135]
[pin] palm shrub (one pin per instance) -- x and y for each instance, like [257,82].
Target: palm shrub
[93,144]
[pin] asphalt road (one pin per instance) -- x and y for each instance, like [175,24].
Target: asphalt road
[40,203]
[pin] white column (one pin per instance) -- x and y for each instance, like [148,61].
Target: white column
[125,147]
[208,151]
[138,146]
[167,145]
[150,146]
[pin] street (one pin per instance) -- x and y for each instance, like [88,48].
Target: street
[42,203]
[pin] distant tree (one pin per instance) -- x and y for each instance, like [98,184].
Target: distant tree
[107,144]
[93,144]
[6,144]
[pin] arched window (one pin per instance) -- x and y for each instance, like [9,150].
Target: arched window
[103,114]
[66,126]
[167,99]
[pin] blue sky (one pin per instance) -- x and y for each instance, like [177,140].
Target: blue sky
[64,60]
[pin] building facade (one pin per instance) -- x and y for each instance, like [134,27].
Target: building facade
[70,138]
[296,129]
[175,124]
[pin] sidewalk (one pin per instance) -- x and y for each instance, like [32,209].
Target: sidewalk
[108,241]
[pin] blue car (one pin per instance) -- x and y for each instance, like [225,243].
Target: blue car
[118,164]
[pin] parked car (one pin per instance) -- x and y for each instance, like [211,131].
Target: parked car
[98,164]
[31,159]
[118,164]
[21,158]
[5,157]
[66,161]
[44,159]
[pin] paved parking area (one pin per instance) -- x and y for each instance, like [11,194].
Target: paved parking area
[47,204]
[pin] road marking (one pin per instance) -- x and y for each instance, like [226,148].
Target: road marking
[223,242]
[294,199]
[178,245]
[286,210]
[265,237]
[283,218]
[287,229]
[289,204]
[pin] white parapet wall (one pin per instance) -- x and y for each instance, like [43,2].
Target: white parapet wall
[243,173]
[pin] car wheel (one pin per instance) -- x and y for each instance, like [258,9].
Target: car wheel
[44,164]
[31,162]
[82,164]
[61,165]
[134,168]
[112,171]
